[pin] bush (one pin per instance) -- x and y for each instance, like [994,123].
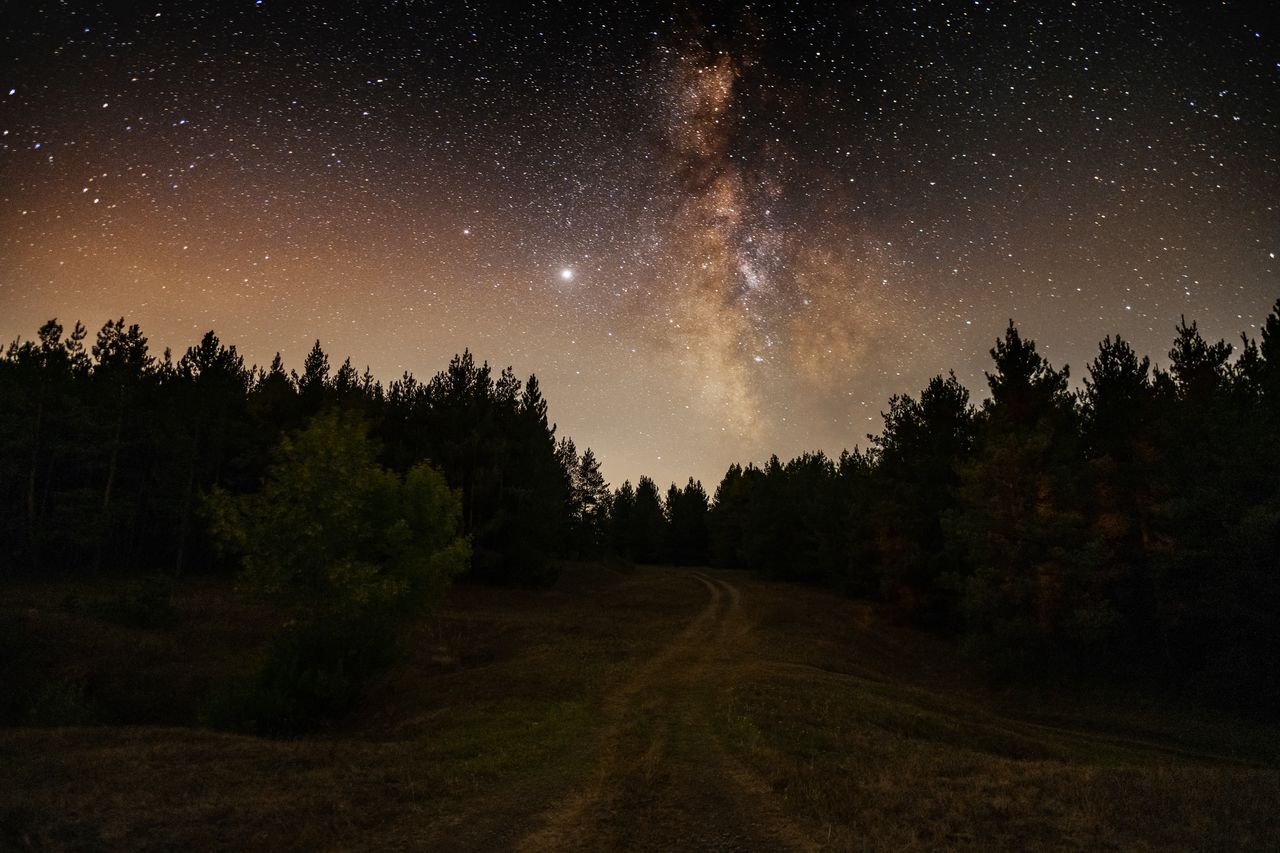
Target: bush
[309,676]
[347,550]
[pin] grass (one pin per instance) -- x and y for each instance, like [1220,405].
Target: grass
[863,735]
[880,740]
[488,719]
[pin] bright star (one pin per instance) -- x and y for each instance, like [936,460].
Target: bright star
[566,274]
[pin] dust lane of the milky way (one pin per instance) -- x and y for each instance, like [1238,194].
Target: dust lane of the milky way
[715,231]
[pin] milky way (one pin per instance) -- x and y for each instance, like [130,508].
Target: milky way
[713,232]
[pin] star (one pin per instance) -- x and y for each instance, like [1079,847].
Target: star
[772,187]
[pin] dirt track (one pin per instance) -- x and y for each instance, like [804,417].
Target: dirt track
[662,779]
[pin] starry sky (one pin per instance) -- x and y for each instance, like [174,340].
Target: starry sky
[714,231]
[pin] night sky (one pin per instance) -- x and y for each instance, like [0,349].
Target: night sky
[714,232]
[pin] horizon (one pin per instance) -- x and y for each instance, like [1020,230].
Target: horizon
[714,235]
[977,388]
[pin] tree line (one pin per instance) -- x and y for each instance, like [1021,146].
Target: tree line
[1134,522]
[107,451]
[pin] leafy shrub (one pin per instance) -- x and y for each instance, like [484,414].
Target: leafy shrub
[309,675]
[346,549]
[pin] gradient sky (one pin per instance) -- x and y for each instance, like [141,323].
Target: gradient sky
[714,231]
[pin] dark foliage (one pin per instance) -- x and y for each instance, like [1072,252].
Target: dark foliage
[1131,526]
[308,676]
[687,533]
[106,452]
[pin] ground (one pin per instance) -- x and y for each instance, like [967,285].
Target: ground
[636,709]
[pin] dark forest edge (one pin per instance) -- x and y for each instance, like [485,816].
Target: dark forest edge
[1132,526]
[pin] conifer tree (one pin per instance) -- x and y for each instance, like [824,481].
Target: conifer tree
[1119,411]
[917,457]
[728,517]
[648,524]
[592,502]
[622,509]
[1018,517]
[687,510]
[313,384]
[121,367]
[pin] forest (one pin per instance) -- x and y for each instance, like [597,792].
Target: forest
[1128,526]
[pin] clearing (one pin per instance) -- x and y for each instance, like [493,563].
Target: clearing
[647,709]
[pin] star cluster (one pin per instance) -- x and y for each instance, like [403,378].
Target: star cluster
[715,233]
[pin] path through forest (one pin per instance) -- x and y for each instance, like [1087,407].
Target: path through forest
[644,708]
[663,779]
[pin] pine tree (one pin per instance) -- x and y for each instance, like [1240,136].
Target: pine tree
[687,513]
[1019,514]
[536,493]
[1269,356]
[313,384]
[1218,519]
[1119,411]
[727,518]
[648,524]
[36,416]
[213,385]
[588,500]
[592,502]
[567,458]
[345,382]
[915,480]
[122,366]
[622,509]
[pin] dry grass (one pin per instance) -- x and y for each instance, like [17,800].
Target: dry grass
[849,733]
[488,719]
[881,739]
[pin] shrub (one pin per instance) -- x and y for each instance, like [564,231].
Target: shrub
[346,550]
[308,675]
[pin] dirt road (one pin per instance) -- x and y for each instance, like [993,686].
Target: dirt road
[663,780]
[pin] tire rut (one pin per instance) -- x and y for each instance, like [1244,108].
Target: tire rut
[662,778]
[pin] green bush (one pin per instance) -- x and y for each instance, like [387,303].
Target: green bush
[308,676]
[346,550]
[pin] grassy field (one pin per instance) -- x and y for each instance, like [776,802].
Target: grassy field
[637,709]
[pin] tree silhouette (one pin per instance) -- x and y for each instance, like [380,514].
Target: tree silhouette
[728,517]
[122,365]
[687,510]
[1018,519]
[648,536]
[1119,409]
[915,483]
[314,382]
[588,508]
[1133,523]
[622,510]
